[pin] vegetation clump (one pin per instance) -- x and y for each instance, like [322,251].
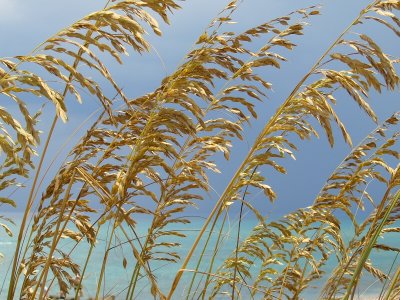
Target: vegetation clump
[152,156]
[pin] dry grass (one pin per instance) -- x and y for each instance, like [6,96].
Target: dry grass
[153,155]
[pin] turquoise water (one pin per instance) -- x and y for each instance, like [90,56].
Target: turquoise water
[117,277]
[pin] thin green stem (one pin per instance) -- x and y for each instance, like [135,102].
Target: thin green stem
[370,242]
[394,282]
[237,252]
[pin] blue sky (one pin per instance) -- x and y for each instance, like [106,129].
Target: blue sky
[24,24]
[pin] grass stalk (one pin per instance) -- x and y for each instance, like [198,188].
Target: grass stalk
[210,268]
[237,251]
[85,265]
[393,283]
[14,272]
[14,277]
[57,235]
[227,192]
[238,234]
[369,244]
[104,263]
[141,144]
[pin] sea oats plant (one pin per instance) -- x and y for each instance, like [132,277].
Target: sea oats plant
[152,156]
